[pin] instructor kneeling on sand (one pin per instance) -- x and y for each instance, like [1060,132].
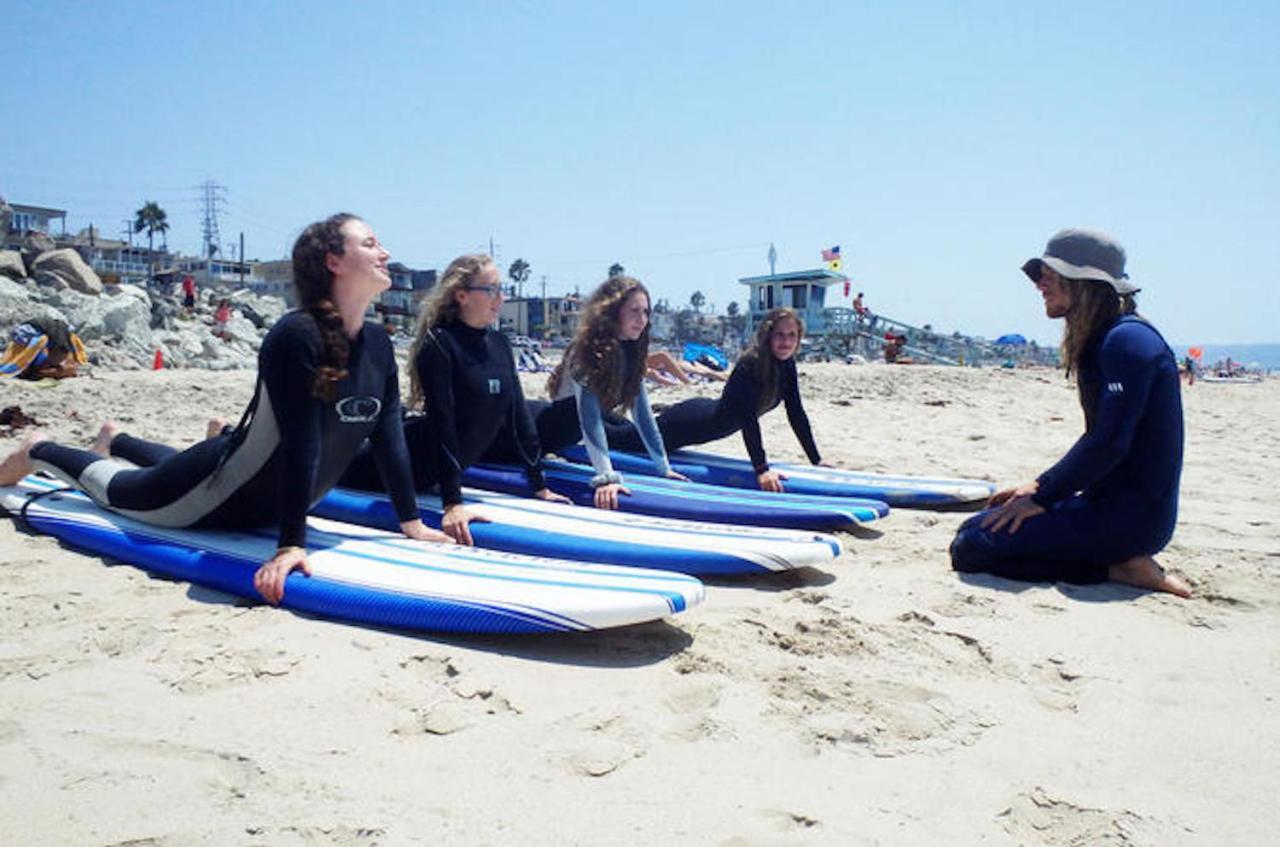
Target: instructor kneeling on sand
[1111,502]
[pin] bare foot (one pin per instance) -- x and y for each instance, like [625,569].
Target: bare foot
[102,444]
[215,427]
[18,463]
[1145,572]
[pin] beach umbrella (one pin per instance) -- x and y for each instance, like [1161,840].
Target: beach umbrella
[1011,338]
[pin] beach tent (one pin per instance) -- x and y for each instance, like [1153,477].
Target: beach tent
[1011,338]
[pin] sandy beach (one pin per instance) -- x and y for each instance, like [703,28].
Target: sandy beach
[880,700]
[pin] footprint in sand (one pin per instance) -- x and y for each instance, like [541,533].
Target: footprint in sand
[1035,817]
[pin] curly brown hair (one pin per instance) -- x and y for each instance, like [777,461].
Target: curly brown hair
[313,282]
[1094,305]
[594,357]
[760,359]
[440,310]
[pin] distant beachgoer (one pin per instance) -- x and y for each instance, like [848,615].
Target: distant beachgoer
[1110,504]
[221,317]
[764,376]
[188,294]
[326,382]
[462,375]
[1189,370]
[602,372]
[859,309]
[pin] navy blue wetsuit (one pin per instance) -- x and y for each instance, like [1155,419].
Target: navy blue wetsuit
[701,419]
[275,466]
[475,410]
[1114,495]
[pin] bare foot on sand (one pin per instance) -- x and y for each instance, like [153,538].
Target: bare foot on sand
[1145,572]
[215,427]
[102,444]
[18,463]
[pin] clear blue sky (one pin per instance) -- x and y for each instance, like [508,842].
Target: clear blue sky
[939,144]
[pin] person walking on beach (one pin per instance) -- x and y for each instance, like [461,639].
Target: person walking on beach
[763,377]
[462,375]
[603,372]
[188,295]
[326,382]
[1111,503]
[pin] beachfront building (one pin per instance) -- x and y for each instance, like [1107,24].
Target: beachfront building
[537,317]
[23,219]
[217,272]
[805,292]
[399,305]
[274,279]
[120,262]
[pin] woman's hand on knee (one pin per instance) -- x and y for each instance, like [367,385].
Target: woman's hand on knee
[1012,514]
[270,578]
[1002,497]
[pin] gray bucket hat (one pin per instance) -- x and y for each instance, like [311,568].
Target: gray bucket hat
[1084,254]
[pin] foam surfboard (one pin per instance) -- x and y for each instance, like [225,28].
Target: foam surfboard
[812,480]
[687,500]
[366,575]
[528,525]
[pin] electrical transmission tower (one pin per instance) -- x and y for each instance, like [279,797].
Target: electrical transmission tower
[213,196]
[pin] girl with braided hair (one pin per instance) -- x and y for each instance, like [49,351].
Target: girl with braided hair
[326,382]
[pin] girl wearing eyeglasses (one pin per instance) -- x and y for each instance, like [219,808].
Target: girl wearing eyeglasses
[462,377]
[603,372]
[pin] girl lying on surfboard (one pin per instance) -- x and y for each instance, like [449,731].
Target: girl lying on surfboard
[326,382]
[603,372]
[764,376]
[462,375]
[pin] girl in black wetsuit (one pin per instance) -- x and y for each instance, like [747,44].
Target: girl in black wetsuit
[463,376]
[326,382]
[603,372]
[764,377]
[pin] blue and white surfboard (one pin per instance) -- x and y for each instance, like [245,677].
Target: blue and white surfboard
[370,576]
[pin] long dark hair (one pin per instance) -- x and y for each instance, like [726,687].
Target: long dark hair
[594,357]
[760,360]
[1094,305]
[440,310]
[313,282]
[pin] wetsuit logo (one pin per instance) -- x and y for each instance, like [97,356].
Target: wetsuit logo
[495,386]
[358,409]
[1115,387]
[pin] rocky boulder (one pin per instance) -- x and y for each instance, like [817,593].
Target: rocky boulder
[66,267]
[34,245]
[11,265]
[261,311]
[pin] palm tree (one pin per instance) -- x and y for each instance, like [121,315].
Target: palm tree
[519,272]
[697,299]
[152,219]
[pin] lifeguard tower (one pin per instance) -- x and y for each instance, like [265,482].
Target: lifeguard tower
[805,292]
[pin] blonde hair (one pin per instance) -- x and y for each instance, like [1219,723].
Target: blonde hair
[441,309]
[594,357]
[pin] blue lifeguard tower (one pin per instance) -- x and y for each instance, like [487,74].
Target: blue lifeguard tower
[805,292]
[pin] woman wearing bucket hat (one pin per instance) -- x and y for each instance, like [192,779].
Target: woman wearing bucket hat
[1110,504]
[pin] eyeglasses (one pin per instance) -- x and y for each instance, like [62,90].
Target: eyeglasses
[491,290]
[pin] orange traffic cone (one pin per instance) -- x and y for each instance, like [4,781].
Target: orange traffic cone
[158,362]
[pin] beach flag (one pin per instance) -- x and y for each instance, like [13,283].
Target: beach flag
[832,255]
[1196,353]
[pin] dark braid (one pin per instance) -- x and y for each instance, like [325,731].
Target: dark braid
[314,283]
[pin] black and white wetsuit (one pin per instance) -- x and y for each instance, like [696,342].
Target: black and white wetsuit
[699,420]
[576,415]
[475,411]
[1114,495]
[273,468]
